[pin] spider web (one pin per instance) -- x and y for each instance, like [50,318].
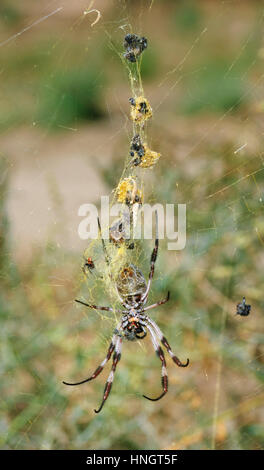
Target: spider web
[213,163]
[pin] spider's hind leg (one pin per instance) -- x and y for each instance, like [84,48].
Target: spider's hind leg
[107,259]
[152,260]
[95,307]
[157,304]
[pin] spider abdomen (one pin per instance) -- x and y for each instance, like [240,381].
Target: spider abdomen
[131,284]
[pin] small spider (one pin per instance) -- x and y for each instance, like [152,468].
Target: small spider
[243,309]
[89,268]
[133,292]
[88,265]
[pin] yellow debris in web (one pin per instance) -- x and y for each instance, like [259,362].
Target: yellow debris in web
[149,158]
[140,109]
[127,191]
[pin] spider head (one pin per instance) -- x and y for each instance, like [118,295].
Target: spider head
[134,330]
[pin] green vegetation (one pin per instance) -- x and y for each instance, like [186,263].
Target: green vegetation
[214,91]
[211,161]
[187,16]
[70,97]
[9,14]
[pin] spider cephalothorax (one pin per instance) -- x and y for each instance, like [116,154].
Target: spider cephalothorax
[133,291]
[133,325]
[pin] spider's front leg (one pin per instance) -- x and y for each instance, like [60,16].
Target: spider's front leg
[164,374]
[164,341]
[101,366]
[109,382]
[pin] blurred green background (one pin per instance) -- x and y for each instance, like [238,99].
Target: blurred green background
[64,134]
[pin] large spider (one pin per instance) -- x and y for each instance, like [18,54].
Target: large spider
[133,291]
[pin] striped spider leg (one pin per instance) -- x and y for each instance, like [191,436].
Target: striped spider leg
[115,346]
[152,261]
[164,373]
[164,341]
[109,382]
[156,336]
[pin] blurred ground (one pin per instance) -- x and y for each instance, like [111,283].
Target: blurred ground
[64,133]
